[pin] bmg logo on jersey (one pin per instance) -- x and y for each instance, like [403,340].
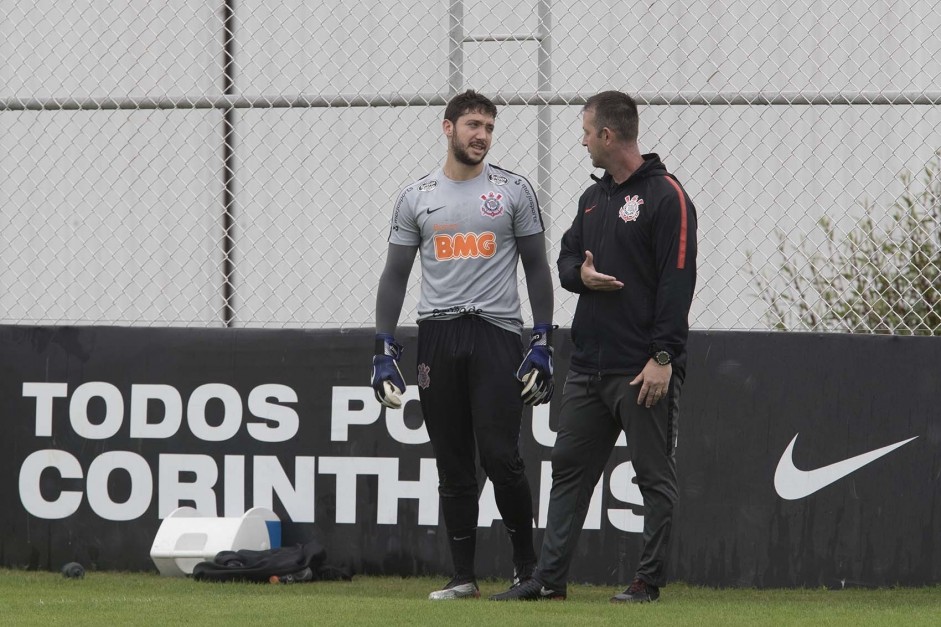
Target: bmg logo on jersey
[465,245]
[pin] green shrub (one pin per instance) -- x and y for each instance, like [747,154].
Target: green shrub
[884,277]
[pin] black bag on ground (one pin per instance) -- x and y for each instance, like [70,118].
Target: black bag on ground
[302,562]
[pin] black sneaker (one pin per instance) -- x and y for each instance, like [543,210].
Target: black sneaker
[529,590]
[456,589]
[638,592]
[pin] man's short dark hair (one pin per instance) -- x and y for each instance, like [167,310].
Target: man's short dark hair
[469,102]
[616,111]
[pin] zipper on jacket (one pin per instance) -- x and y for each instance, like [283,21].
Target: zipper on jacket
[603,240]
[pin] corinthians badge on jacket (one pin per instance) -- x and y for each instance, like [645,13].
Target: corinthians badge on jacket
[631,208]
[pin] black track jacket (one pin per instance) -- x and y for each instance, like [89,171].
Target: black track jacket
[643,233]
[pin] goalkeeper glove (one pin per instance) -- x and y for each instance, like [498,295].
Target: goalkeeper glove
[387,380]
[536,370]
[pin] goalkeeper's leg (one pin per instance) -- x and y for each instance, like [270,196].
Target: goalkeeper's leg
[497,413]
[442,389]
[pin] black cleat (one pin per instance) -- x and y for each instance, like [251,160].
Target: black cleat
[528,590]
[638,592]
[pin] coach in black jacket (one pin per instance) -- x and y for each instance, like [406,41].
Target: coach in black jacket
[637,242]
[630,254]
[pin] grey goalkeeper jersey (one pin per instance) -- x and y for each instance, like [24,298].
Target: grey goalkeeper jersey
[466,233]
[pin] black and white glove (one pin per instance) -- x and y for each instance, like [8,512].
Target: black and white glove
[387,380]
[536,370]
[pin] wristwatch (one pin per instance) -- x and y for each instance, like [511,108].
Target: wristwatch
[662,357]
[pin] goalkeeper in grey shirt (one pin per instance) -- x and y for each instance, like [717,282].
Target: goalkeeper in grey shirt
[471,222]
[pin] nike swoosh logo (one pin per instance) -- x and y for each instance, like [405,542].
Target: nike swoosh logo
[430,211]
[590,208]
[791,483]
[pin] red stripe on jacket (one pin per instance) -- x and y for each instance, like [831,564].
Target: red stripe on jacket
[681,257]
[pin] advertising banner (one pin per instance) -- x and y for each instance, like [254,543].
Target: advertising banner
[804,460]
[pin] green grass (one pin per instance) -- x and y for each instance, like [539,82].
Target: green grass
[43,598]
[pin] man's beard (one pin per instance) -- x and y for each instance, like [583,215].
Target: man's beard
[460,153]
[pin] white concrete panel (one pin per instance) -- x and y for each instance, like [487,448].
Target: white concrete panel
[51,48]
[110,217]
[742,45]
[296,47]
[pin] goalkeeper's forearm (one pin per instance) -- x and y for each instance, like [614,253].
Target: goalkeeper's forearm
[392,285]
[532,250]
[389,301]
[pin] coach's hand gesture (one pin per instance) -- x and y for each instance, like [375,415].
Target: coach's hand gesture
[594,280]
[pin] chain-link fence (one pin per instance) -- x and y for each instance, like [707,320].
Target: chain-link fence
[193,163]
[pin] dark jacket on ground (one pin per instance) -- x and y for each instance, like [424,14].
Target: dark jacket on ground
[643,233]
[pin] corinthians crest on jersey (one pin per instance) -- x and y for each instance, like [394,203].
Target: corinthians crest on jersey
[631,209]
[492,207]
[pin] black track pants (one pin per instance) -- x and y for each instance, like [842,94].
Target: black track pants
[594,412]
